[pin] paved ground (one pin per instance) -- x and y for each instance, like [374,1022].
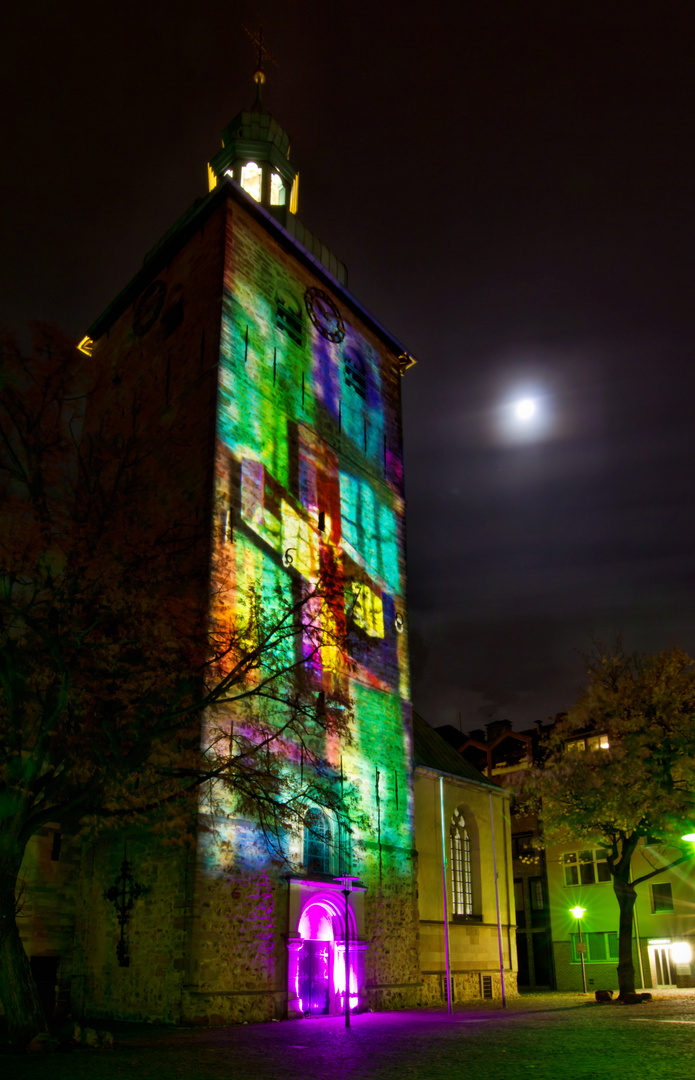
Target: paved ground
[544,1036]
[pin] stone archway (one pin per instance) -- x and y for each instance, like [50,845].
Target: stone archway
[316,955]
[317,975]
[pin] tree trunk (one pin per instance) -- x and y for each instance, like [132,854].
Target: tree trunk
[18,993]
[626,896]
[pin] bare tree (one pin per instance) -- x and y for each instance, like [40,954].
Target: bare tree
[114,658]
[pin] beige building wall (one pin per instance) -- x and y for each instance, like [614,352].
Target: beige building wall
[474,941]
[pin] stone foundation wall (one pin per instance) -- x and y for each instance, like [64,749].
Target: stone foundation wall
[237,967]
[150,987]
[207,941]
[202,1009]
[465,986]
[391,963]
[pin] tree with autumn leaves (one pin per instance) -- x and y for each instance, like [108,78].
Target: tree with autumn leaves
[638,789]
[111,664]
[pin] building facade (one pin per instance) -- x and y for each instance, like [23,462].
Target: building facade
[663,926]
[457,809]
[272,402]
[549,882]
[498,752]
[278,400]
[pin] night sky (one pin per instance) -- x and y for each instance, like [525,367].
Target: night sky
[512,187]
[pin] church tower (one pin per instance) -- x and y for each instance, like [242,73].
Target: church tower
[284,396]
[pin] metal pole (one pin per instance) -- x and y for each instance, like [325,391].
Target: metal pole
[497,902]
[446,913]
[581,954]
[347,959]
[345,882]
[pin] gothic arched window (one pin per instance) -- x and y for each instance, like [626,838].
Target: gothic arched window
[317,842]
[251,177]
[461,875]
[277,190]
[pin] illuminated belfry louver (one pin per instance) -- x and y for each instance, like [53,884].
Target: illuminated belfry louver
[256,153]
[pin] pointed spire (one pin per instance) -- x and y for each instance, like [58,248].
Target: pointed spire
[259,73]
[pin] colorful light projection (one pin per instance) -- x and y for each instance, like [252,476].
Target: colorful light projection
[310,475]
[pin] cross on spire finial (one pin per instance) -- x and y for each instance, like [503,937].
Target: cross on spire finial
[263,54]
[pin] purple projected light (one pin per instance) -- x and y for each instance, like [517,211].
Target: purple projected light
[317,961]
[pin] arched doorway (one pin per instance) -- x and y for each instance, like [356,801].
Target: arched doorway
[321,959]
[316,949]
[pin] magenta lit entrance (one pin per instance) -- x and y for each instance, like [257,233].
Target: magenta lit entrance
[316,969]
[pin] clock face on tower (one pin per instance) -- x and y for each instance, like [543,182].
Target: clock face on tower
[324,314]
[149,307]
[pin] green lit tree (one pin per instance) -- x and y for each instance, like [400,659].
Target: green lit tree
[640,786]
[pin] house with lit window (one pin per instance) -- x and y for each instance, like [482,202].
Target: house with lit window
[551,883]
[663,925]
[465,875]
[579,882]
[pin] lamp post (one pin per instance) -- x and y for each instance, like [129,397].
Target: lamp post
[345,882]
[579,913]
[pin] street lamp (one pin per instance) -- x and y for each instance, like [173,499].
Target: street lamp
[690,836]
[579,913]
[346,882]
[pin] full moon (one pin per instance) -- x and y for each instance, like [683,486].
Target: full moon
[525,409]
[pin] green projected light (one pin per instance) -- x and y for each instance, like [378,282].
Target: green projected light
[309,471]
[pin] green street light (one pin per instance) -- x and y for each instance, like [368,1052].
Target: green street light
[578,912]
[689,836]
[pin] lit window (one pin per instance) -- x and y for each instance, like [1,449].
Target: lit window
[662,897]
[586,867]
[681,953]
[277,190]
[251,176]
[592,742]
[461,875]
[317,839]
[601,948]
